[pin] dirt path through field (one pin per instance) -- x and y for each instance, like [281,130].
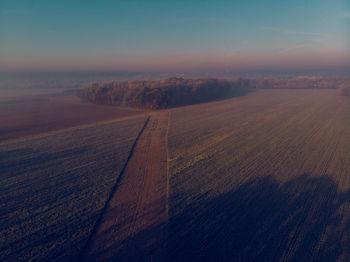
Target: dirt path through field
[133,226]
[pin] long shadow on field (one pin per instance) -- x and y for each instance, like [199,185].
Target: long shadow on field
[304,219]
[263,220]
[232,94]
[147,245]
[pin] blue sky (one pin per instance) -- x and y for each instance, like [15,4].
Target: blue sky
[173,35]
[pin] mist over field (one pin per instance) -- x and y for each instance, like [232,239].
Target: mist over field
[63,140]
[175,131]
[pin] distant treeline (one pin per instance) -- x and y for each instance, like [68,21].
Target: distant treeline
[172,92]
[301,82]
[159,94]
[344,90]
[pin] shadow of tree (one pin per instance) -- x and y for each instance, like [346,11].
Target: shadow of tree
[261,220]
[264,220]
[149,244]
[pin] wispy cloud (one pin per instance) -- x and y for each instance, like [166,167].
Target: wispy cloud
[345,15]
[288,31]
[294,48]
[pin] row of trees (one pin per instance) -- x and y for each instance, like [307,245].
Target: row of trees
[300,82]
[158,94]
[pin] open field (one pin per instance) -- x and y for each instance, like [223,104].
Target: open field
[40,111]
[133,226]
[54,186]
[264,177]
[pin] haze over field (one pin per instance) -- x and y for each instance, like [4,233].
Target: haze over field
[180,130]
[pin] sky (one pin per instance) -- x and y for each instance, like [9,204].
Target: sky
[163,35]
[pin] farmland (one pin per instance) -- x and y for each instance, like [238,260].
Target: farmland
[54,186]
[133,226]
[39,111]
[263,177]
[175,131]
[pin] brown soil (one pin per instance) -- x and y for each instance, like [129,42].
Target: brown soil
[31,115]
[133,225]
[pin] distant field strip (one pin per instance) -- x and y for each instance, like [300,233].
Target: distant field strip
[261,177]
[133,227]
[54,186]
[33,115]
